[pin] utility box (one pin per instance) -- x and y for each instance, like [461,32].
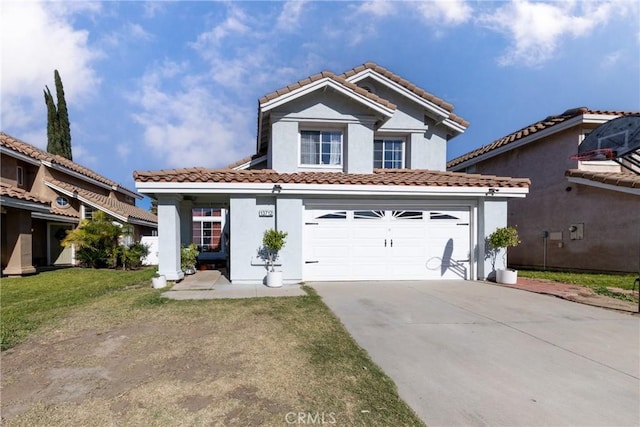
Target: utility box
[576,231]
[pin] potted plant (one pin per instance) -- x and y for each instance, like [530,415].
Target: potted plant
[188,258]
[503,239]
[158,281]
[273,241]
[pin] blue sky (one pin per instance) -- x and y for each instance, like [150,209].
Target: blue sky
[156,85]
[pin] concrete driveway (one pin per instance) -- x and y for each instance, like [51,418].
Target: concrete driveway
[470,353]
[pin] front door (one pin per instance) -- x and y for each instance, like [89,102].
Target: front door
[59,255]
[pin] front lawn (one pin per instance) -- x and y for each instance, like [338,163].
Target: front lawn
[124,355]
[592,280]
[28,302]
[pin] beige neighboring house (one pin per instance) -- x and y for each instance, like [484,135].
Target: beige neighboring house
[43,196]
[579,215]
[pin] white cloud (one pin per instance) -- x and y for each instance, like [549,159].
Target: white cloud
[536,30]
[193,125]
[379,8]
[36,39]
[234,25]
[445,12]
[289,18]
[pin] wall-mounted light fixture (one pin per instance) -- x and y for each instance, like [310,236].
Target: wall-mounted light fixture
[492,191]
[277,189]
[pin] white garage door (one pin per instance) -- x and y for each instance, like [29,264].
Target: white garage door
[386,244]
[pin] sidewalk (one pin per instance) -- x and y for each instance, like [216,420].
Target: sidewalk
[577,293]
[211,284]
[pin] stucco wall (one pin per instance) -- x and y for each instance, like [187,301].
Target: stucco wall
[247,226]
[611,239]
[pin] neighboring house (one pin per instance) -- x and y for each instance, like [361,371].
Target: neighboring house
[42,196]
[579,215]
[351,166]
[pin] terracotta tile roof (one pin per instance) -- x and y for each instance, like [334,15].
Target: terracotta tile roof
[38,154]
[409,86]
[245,160]
[64,212]
[532,129]
[109,204]
[322,75]
[383,177]
[13,192]
[619,179]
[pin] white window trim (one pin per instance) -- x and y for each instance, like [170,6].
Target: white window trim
[321,129]
[20,176]
[391,138]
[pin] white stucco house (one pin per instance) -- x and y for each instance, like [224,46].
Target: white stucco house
[352,167]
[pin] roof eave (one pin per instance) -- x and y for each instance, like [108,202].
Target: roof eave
[330,189]
[518,143]
[323,83]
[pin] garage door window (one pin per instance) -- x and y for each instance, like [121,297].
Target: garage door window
[439,215]
[407,214]
[333,215]
[368,215]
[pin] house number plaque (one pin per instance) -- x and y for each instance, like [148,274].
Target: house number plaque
[265,213]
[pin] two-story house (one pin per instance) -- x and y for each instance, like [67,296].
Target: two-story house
[579,214]
[42,196]
[352,167]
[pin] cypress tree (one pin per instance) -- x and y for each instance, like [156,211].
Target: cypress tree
[58,129]
[53,145]
[63,118]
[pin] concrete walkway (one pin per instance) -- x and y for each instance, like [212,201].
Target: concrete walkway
[211,284]
[477,354]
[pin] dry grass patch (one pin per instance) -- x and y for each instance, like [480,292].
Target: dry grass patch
[132,358]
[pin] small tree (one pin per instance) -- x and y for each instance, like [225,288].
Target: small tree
[95,240]
[503,238]
[273,241]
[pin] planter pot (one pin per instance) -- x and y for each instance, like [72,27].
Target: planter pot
[507,277]
[159,282]
[274,279]
[190,270]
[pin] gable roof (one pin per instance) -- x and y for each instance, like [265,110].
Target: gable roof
[380,177]
[328,76]
[21,147]
[421,93]
[350,88]
[533,131]
[114,207]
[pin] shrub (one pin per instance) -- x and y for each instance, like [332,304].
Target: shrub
[95,241]
[189,257]
[273,241]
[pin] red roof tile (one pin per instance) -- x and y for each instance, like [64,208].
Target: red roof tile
[332,76]
[20,194]
[409,86]
[619,179]
[541,125]
[108,204]
[382,177]
[41,155]
[245,160]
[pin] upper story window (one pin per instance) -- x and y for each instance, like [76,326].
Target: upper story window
[20,176]
[321,147]
[88,212]
[388,153]
[62,202]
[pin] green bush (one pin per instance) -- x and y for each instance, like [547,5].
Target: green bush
[273,241]
[95,241]
[189,257]
[130,257]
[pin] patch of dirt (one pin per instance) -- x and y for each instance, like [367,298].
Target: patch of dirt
[193,366]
